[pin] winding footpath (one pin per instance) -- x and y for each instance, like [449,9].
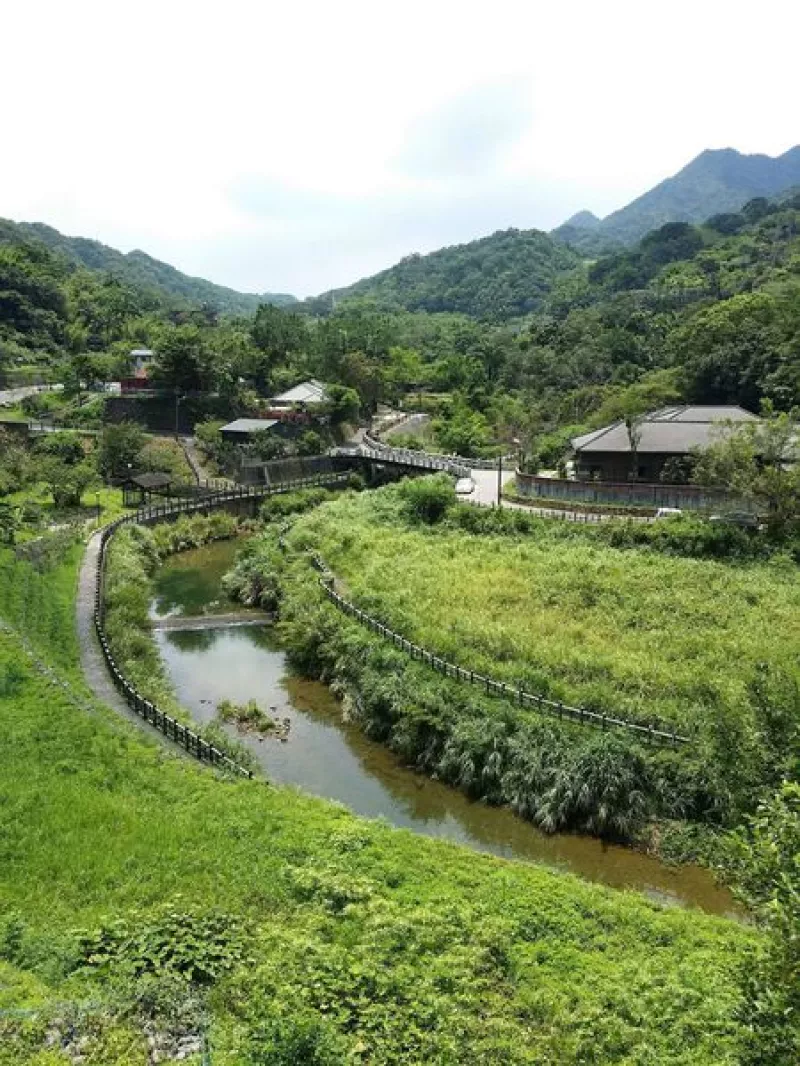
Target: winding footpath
[93,664]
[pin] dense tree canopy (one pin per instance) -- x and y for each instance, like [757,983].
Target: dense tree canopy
[708,314]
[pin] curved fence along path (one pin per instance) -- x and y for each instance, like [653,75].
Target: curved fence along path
[214,498]
[372,448]
[95,560]
[562,711]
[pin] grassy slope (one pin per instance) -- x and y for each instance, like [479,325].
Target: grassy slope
[635,631]
[528,965]
[415,950]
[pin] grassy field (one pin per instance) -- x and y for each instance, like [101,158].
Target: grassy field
[652,636]
[307,931]
[142,896]
[109,501]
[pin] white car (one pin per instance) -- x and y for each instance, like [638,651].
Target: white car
[668,512]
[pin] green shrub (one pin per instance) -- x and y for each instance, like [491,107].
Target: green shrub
[287,503]
[200,945]
[192,531]
[302,1039]
[428,499]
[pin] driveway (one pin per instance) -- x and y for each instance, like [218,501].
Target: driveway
[9,397]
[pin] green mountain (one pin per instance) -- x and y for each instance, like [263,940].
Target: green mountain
[495,278]
[144,272]
[716,181]
[33,299]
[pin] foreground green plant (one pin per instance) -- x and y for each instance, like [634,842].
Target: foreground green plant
[281,926]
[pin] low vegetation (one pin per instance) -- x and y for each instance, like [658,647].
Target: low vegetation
[143,898]
[636,628]
[246,716]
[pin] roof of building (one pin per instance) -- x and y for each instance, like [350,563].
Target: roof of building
[143,353]
[667,431]
[249,425]
[151,481]
[306,392]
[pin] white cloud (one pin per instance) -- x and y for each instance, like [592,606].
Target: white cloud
[296,147]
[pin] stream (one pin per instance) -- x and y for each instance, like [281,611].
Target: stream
[329,757]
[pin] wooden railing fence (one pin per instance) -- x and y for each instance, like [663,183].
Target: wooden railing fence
[173,729]
[564,712]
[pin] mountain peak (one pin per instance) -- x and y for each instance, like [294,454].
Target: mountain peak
[583,220]
[715,181]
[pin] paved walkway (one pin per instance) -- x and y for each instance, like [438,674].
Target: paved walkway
[8,397]
[92,662]
[485,492]
[196,460]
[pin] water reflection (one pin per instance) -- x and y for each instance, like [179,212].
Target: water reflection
[329,757]
[189,583]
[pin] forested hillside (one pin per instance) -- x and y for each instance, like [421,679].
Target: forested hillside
[144,272]
[716,303]
[704,313]
[715,181]
[495,278]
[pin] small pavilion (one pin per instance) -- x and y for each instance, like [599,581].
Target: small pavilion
[139,489]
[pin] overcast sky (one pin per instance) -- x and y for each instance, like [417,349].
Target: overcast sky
[297,146]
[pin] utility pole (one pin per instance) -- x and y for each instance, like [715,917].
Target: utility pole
[500,481]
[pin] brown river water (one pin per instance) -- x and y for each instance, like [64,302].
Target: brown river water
[329,757]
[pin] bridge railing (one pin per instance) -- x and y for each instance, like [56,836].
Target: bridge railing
[373,448]
[410,419]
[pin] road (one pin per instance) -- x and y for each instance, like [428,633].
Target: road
[9,397]
[485,491]
[485,495]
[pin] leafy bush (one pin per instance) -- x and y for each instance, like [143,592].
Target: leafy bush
[428,499]
[120,447]
[192,531]
[286,503]
[303,1039]
[255,579]
[63,445]
[200,945]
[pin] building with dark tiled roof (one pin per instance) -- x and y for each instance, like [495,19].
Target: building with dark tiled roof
[680,431]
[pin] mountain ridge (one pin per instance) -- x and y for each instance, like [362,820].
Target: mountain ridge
[715,181]
[145,271]
[499,276]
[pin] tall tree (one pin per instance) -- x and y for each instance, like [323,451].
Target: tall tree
[758,461]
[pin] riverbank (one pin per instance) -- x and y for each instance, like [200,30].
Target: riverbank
[376,942]
[313,910]
[636,631]
[324,753]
